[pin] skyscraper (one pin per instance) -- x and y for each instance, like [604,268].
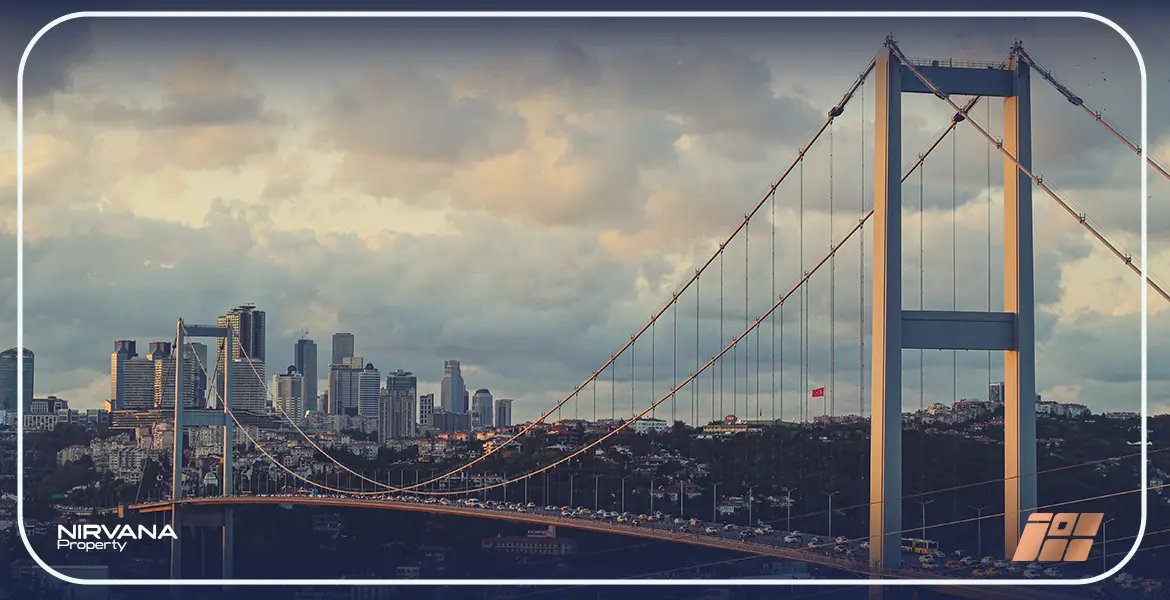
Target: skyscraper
[503,412]
[342,348]
[453,393]
[344,390]
[159,350]
[8,396]
[290,393]
[369,386]
[426,411]
[248,340]
[305,360]
[164,376]
[481,408]
[136,382]
[199,350]
[124,350]
[405,384]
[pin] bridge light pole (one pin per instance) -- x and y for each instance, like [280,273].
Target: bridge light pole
[830,495]
[572,478]
[979,522]
[623,503]
[1104,554]
[749,503]
[714,502]
[922,504]
[651,494]
[596,479]
[526,490]
[788,503]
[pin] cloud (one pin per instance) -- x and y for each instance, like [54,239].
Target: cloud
[525,213]
[211,116]
[50,64]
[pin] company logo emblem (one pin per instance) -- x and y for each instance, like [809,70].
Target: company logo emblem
[95,538]
[1058,537]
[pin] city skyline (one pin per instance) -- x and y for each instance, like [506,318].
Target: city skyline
[581,280]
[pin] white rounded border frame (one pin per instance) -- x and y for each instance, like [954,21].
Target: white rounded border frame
[569,15]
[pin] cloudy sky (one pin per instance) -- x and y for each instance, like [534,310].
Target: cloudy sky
[523,195]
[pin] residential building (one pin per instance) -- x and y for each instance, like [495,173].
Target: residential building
[503,410]
[426,411]
[289,391]
[248,391]
[450,422]
[395,415]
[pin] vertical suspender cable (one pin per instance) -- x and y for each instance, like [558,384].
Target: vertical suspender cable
[861,270]
[722,339]
[747,250]
[954,259]
[772,202]
[832,391]
[803,303]
[921,281]
[990,374]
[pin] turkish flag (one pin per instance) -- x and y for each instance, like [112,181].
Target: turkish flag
[818,393]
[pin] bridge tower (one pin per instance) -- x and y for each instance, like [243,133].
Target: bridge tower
[894,329]
[201,419]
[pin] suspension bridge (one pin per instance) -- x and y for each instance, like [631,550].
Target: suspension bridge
[745,373]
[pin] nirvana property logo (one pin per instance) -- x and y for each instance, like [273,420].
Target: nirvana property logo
[1059,537]
[97,538]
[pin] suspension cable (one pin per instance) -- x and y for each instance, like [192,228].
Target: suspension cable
[297,476]
[626,423]
[1039,181]
[859,226]
[837,110]
[1076,100]
[779,304]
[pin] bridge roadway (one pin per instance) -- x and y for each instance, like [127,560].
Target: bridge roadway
[659,531]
